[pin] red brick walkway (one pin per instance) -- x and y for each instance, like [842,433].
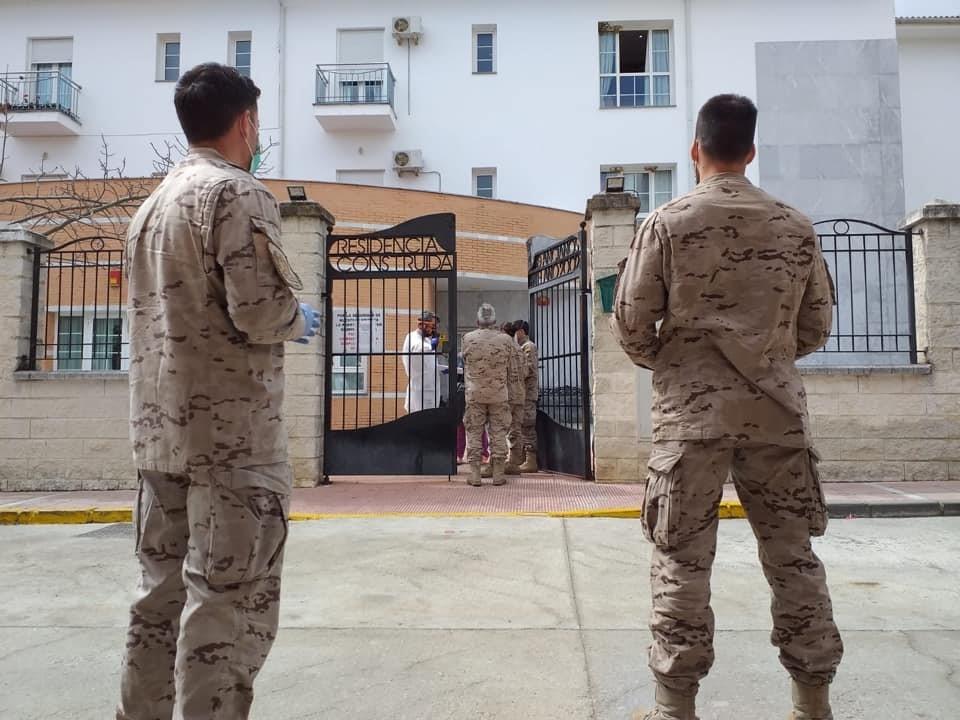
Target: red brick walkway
[535,493]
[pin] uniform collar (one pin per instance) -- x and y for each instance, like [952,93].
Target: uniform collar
[210,154]
[726,178]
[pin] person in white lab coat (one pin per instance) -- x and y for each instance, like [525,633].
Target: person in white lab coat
[420,363]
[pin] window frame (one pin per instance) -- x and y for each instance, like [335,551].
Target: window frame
[234,38]
[651,170]
[476,32]
[163,40]
[360,370]
[88,363]
[485,172]
[650,28]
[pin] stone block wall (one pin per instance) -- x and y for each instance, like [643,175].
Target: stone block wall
[899,423]
[69,430]
[619,449]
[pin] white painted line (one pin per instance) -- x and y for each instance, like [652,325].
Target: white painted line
[21,502]
[904,494]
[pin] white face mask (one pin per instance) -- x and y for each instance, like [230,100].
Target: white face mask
[256,156]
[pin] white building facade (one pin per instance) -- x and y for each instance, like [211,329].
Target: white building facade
[530,102]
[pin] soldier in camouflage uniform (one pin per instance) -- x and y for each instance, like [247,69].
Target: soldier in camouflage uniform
[487,362]
[211,303]
[742,290]
[531,391]
[517,405]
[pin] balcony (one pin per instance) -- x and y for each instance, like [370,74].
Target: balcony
[355,97]
[39,103]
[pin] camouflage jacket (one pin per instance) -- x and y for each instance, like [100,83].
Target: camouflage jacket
[486,365]
[515,379]
[531,371]
[210,304]
[741,286]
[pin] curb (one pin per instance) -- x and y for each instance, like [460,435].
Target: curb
[729,509]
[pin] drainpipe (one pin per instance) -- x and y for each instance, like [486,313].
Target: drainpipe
[282,85]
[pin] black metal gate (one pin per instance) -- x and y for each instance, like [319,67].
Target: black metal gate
[560,326]
[874,322]
[391,404]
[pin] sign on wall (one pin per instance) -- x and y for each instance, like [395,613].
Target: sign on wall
[357,330]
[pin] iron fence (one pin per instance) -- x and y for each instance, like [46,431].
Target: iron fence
[872,267]
[361,84]
[559,291]
[40,90]
[78,320]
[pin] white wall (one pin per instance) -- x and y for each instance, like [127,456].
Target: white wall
[930,107]
[114,60]
[537,120]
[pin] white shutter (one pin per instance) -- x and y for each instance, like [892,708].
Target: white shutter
[51,50]
[360,46]
[360,177]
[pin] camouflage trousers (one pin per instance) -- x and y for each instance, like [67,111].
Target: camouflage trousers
[210,547]
[780,491]
[529,423]
[515,436]
[496,418]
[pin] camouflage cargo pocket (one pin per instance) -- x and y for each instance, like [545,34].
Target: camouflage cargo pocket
[818,505]
[658,496]
[138,513]
[246,534]
[280,261]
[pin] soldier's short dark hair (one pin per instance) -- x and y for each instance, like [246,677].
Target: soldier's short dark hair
[521,325]
[725,127]
[209,98]
[509,328]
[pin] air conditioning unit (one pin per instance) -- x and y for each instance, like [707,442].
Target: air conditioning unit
[408,161]
[407,28]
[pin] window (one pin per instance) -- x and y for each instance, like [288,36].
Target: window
[485,182]
[361,177]
[653,185]
[70,342]
[51,60]
[90,338]
[168,57]
[241,45]
[107,343]
[634,67]
[484,54]
[349,375]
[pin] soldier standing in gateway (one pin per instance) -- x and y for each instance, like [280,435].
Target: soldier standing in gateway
[531,391]
[211,304]
[487,362]
[741,286]
[517,405]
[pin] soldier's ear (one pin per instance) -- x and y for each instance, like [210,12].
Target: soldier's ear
[752,154]
[695,152]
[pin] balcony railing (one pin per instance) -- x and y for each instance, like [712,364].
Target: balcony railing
[360,84]
[39,91]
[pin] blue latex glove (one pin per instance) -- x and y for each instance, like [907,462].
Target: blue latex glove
[433,342]
[312,320]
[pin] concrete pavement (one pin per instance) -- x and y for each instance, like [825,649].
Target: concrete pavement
[513,618]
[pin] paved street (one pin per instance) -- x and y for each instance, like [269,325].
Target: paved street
[515,618]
